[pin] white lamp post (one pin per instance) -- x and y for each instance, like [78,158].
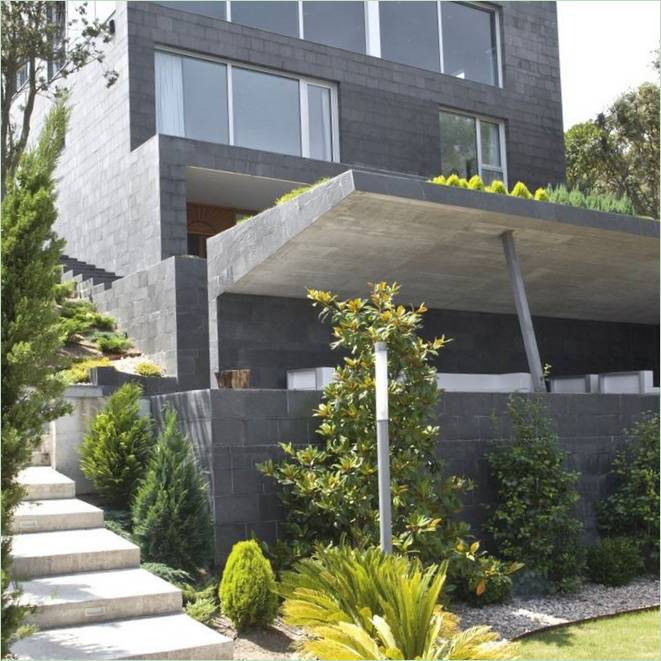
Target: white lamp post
[383,453]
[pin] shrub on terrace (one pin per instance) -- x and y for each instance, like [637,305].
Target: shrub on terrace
[598,201]
[497,186]
[112,342]
[146,368]
[296,192]
[475,183]
[614,561]
[521,190]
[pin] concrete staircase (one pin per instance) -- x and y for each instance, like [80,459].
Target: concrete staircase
[88,278]
[92,599]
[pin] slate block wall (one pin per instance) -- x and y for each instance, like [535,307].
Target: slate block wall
[271,334]
[233,430]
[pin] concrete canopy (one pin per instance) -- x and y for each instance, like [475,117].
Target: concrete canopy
[443,245]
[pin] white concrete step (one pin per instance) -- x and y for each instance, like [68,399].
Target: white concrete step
[44,483]
[75,599]
[163,637]
[69,551]
[57,514]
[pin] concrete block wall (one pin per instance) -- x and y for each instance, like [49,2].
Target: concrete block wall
[233,430]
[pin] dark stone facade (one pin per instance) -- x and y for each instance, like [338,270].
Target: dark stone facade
[234,430]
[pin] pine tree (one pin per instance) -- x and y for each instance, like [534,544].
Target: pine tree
[116,450]
[31,336]
[171,516]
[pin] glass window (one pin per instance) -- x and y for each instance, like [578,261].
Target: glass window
[169,94]
[409,33]
[469,42]
[281,17]
[339,24]
[211,9]
[205,100]
[266,112]
[458,145]
[319,121]
[490,143]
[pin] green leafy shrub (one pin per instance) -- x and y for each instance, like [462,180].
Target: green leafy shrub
[79,316]
[201,603]
[116,449]
[541,195]
[178,577]
[364,604]
[111,342]
[597,201]
[453,180]
[439,180]
[146,368]
[534,518]
[171,516]
[79,372]
[521,190]
[476,183]
[632,510]
[614,561]
[497,186]
[247,590]
[296,192]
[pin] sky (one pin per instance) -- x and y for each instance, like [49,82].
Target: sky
[605,48]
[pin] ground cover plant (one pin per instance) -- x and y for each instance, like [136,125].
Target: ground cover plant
[330,491]
[627,636]
[533,520]
[364,604]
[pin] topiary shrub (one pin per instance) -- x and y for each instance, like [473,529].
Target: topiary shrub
[497,186]
[146,368]
[476,183]
[614,561]
[534,520]
[247,590]
[116,449]
[521,190]
[541,195]
[632,509]
[171,516]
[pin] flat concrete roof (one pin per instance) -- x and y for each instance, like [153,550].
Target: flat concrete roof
[443,245]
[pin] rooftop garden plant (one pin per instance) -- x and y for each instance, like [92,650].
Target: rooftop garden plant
[297,192]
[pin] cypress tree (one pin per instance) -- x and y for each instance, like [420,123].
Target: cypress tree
[31,334]
[171,516]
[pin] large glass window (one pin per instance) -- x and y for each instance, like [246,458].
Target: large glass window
[409,33]
[339,24]
[211,8]
[266,112]
[469,42]
[220,102]
[471,145]
[276,16]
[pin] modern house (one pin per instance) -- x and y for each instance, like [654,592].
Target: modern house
[168,178]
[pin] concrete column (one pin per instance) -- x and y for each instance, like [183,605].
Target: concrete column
[523,312]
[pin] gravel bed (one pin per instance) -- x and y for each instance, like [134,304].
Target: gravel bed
[525,615]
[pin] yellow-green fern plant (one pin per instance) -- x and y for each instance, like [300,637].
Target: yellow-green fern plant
[364,604]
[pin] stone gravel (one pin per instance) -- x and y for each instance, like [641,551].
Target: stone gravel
[525,615]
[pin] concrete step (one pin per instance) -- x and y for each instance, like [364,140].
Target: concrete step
[57,514]
[68,551]
[44,483]
[76,599]
[163,637]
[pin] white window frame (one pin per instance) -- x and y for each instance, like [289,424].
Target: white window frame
[478,139]
[303,82]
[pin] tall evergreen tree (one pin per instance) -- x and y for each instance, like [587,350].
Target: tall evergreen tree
[31,336]
[171,516]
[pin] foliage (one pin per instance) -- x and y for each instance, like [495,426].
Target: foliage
[541,195]
[475,183]
[439,180]
[331,491]
[80,316]
[79,372]
[146,368]
[618,152]
[203,608]
[633,508]
[178,577]
[31,337]
[598,201]
[296,192]
[521,190]
[115,450]
[247,589]
[171,516]
[455,180]
[497,186]
[614,561]
[112,342]
[534,518]
[34,34]
[364,604]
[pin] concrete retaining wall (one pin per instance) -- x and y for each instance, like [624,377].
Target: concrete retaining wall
[233,430]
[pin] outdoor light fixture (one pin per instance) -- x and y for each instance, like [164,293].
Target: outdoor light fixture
[383,452]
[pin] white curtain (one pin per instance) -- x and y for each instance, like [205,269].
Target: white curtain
[326,124]
[319,103]
[169,94]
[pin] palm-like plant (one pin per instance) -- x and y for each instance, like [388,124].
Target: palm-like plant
[363,604]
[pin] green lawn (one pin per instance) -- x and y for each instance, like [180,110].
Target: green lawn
[632,636]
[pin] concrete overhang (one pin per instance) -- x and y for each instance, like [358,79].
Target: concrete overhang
[443,245]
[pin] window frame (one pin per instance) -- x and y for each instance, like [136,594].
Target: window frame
[478,138]
[303,82]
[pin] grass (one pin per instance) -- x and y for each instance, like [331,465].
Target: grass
[629,636]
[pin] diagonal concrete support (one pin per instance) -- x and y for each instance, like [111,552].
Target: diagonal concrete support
[523,312]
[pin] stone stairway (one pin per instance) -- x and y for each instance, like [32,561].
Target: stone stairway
[92,599]
[88,278]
